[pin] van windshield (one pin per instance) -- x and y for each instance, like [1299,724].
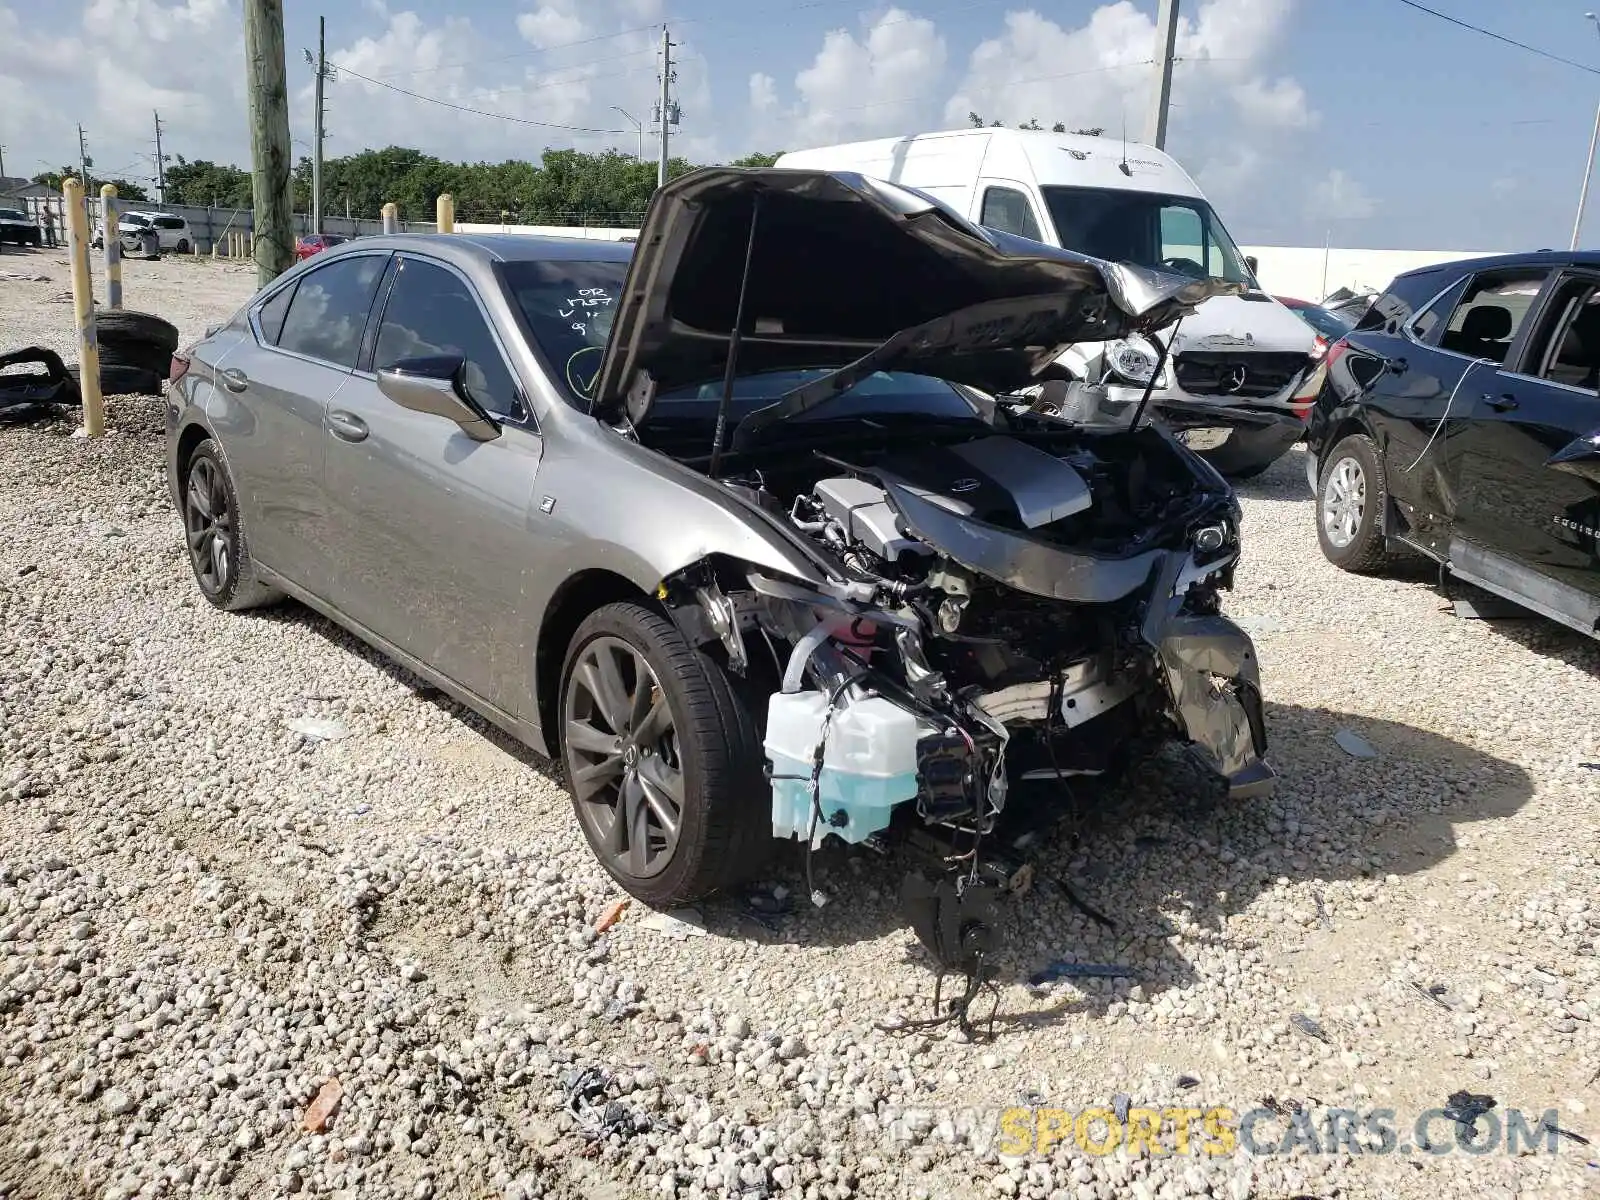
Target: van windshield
[1148,229]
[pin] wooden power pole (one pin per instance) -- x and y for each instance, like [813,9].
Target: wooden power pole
[272,192]
[1166,43]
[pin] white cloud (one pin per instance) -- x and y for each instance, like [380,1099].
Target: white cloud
[551,25]
[1280,103]
[763,92]
[856,85]
[1338,197]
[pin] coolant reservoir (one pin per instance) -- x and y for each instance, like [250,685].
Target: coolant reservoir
[869,764]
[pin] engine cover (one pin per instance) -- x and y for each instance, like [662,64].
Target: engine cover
[998,480]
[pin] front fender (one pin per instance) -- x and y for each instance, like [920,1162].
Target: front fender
[1214,680]
[618,506]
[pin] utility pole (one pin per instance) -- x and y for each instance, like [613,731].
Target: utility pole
[320,134]
[1588,170]
[161,165]
[666,102]
[638,127]
[1166,43]
[83,159]
[2,162]
[272,193]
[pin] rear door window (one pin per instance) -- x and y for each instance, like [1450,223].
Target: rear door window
[1008,210]
[1490,313]
[330,307]
[1565,348]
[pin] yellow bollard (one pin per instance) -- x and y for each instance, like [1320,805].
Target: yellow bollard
[112,249]
[391,218]
[94,412]
[445,212]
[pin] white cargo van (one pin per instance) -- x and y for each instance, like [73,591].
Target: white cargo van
[1235,382]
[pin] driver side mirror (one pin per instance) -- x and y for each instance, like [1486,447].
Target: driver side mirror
[1254,263]
[433,385]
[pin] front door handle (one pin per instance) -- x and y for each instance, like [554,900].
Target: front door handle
[1505,402]
[234,379]
[347,426]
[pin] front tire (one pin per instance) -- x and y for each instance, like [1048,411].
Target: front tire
[662,757]
[219,553]
[1352,494]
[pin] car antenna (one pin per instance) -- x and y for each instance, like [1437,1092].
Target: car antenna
[734,340]
[1161,362]
[1123,165]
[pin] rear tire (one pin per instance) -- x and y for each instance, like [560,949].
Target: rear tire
[662,757]
[219,552]
[182,246]
[1352,494]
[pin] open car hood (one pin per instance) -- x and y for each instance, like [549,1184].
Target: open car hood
[852,273]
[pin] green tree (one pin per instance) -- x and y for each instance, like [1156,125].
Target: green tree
[757,160]
[203,183]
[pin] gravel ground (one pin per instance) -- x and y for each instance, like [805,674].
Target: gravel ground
[213,926]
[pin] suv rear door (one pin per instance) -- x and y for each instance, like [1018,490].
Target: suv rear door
[1419,372]
[1529,503]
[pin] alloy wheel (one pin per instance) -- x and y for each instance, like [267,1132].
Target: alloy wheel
[209,524]
[623,757]
[1344,502]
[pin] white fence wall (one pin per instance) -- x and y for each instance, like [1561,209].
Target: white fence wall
[1312,272]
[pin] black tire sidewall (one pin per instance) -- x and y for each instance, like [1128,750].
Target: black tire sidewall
[654,636]
[1369,533]
[225,595]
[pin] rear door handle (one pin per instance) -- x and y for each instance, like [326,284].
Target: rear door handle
[347,426]
[234,379]
[1505,402]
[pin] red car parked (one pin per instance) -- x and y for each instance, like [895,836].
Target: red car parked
[311,243]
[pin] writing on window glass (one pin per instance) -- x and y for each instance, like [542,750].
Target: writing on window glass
[583,308]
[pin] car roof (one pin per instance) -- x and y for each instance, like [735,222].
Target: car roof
[1532,258]
[497,247]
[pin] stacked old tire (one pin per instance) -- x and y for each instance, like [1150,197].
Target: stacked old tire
[136,352]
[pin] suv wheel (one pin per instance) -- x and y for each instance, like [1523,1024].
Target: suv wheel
[182,246]
[1352,493]
[218,551]
[662,758]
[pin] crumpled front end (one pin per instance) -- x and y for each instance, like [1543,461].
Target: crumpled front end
[1006,615]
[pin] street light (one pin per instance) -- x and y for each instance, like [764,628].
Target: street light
[1588,170]
[637,127]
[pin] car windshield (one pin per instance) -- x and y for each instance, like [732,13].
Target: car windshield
[11,214]
[1330,325]
[1148,229]
[569,307]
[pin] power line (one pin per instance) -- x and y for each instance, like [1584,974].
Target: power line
[1500,37]
[477,112]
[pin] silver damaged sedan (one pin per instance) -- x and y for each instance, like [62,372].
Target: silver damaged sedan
[751,524]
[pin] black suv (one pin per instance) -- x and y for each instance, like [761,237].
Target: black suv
[1461,418]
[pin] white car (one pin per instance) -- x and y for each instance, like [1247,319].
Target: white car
[172,231]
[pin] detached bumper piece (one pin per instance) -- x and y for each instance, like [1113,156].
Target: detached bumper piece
[1215,683]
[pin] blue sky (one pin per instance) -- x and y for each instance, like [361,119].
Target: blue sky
[1363,120]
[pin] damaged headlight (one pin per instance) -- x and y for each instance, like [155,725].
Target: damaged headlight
[1133,360]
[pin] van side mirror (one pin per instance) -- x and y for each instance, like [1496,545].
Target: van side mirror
[1254,263]
[433,385]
